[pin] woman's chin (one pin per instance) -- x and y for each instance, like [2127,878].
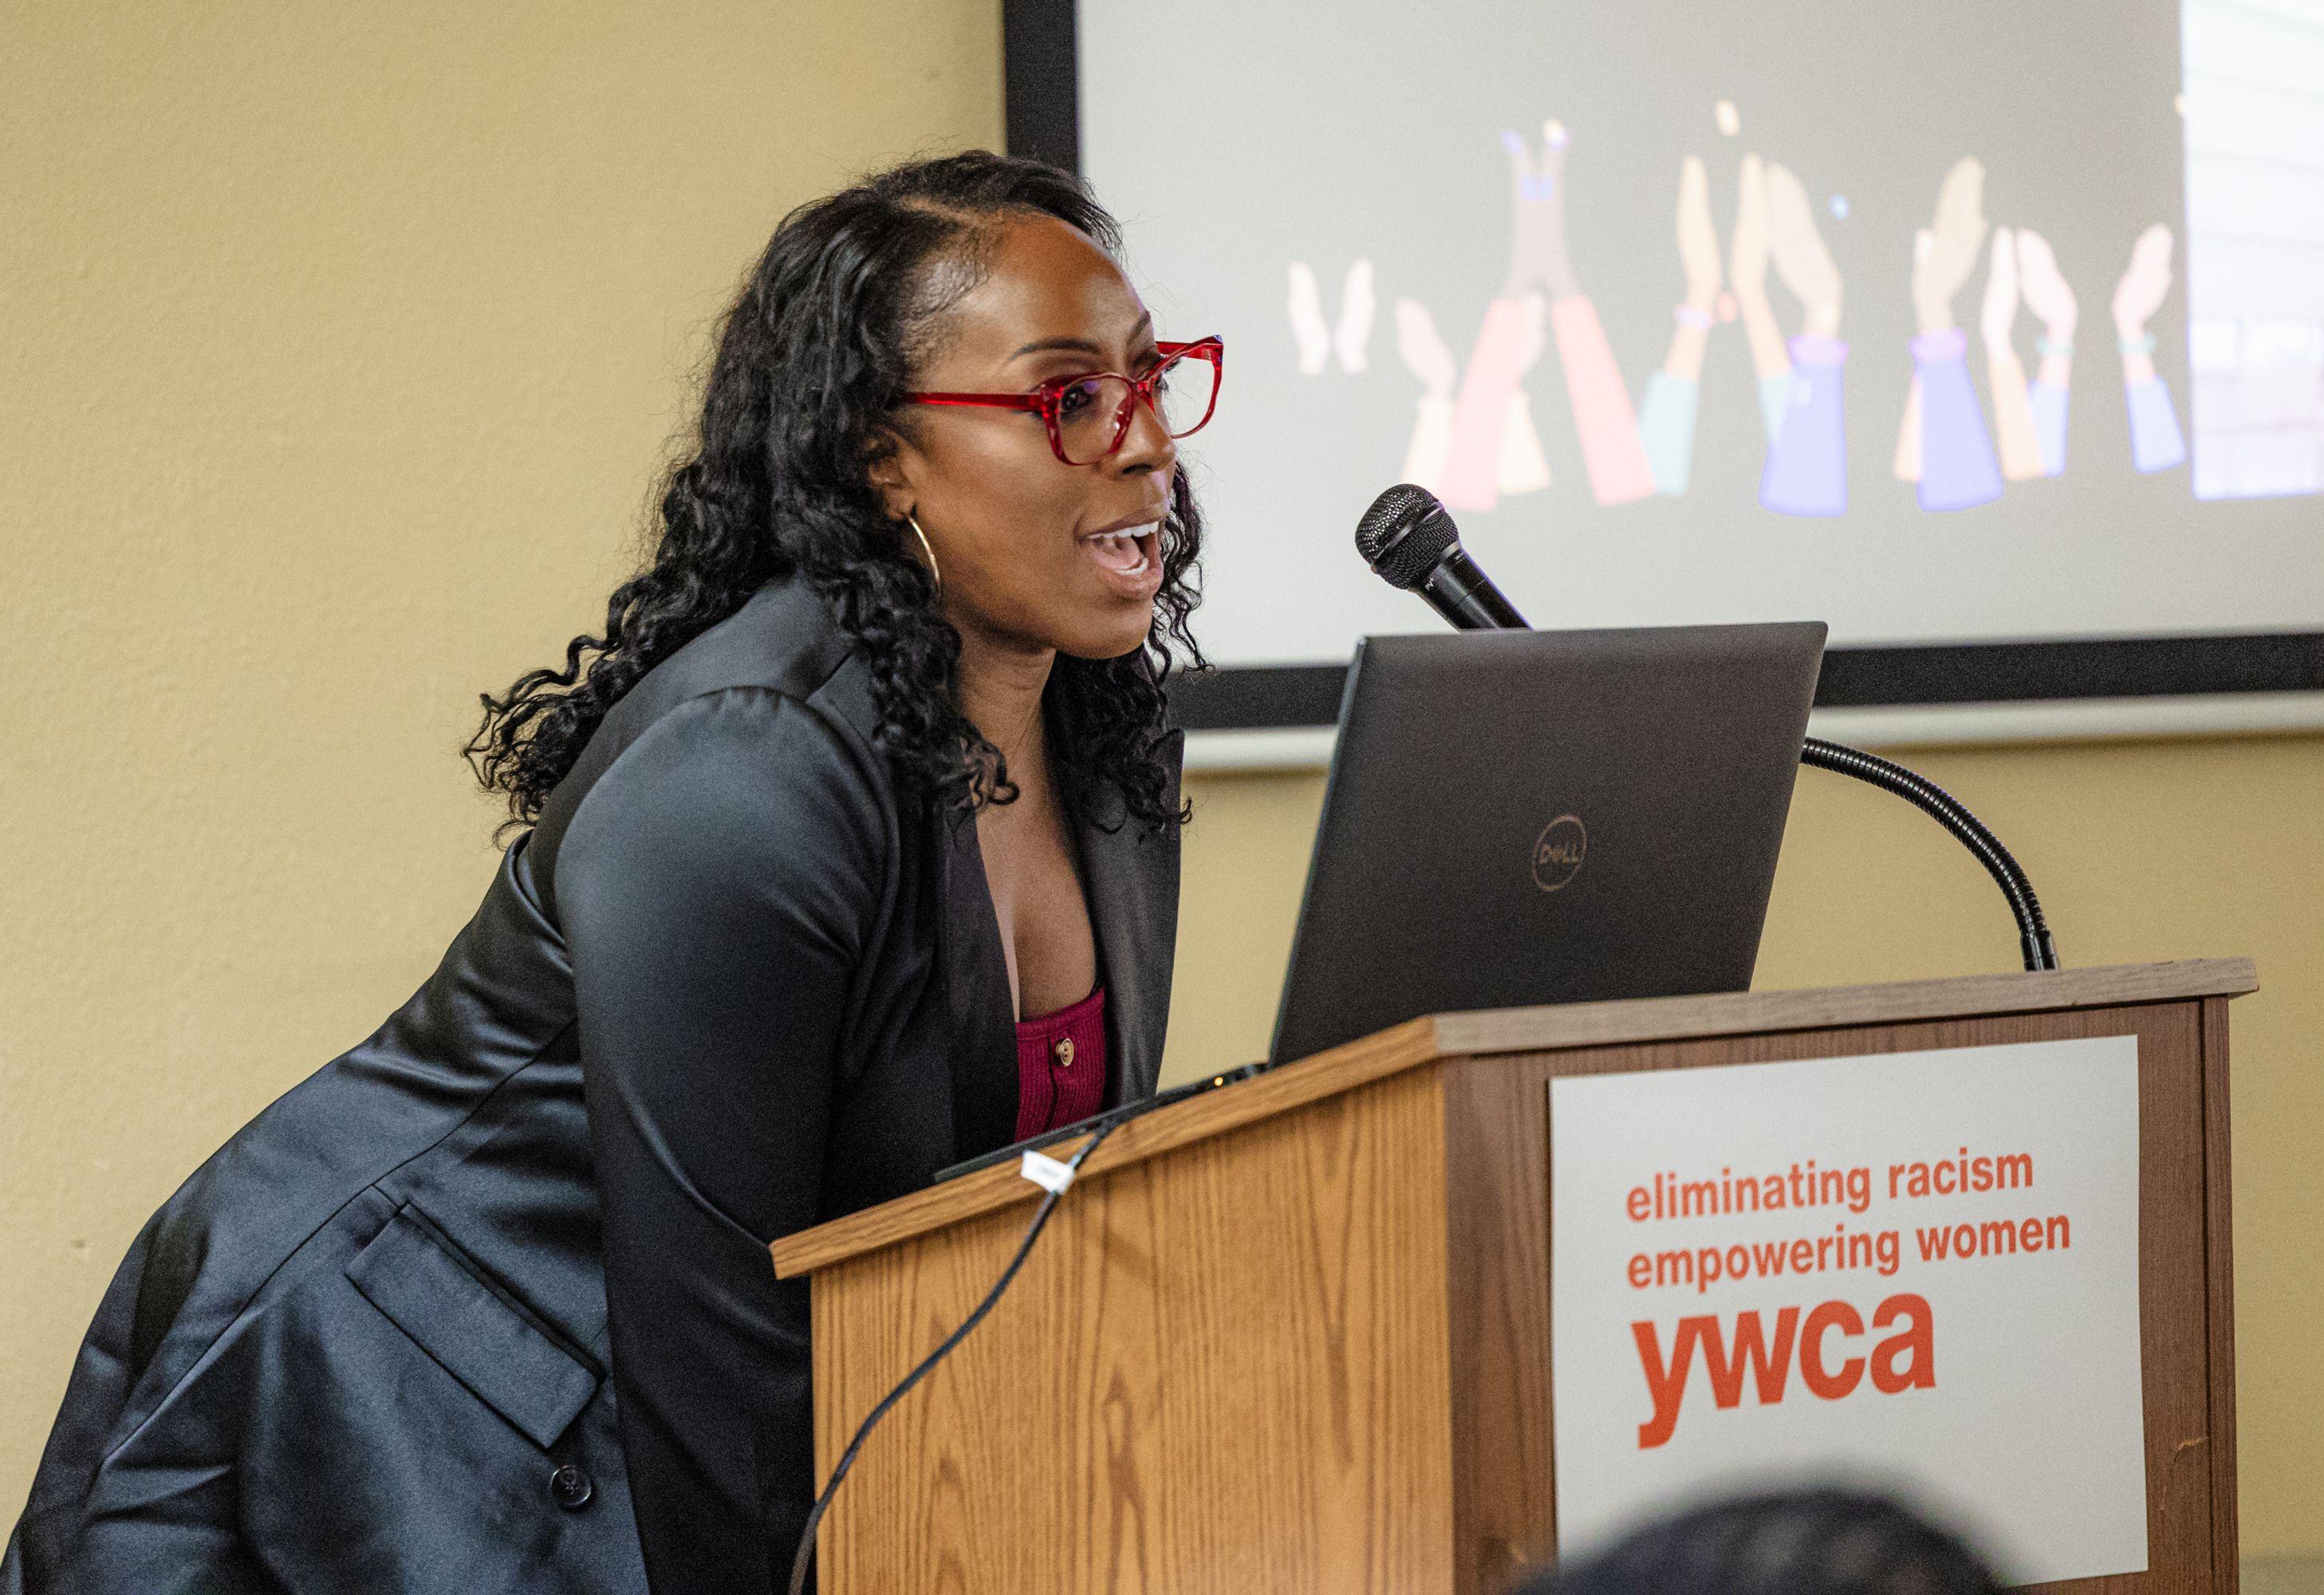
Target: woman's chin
[1123,629]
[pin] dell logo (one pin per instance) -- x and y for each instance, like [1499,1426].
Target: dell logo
[1558,850]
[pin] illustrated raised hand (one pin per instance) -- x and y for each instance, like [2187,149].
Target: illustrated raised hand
[1352,336]
[2141,292]
[1802,261]
[1308,329]
[2157,443]
[2014,435]
[1522,467]
[2046,293]
[1945,252]
[1747,251]
[2000,312]
[1698,241]
[1426,357]
[1423,352]
[1667,414]
[1747,275]
[1537,256]
[2048,297]
[1533,331]
[1507,342]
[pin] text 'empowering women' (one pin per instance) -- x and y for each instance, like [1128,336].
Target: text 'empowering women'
[1921,1266]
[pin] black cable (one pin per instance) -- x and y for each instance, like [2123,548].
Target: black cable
[2034,938]
[806,1557]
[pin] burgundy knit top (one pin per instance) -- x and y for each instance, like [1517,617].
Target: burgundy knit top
[1061,1065]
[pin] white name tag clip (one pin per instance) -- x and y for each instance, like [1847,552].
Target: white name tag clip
[1047,1172]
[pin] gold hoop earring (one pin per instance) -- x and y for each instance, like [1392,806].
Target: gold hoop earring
[934,574]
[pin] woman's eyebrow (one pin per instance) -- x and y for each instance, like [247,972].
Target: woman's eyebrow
[1082,344]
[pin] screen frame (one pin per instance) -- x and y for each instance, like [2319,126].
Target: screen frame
[1041,99]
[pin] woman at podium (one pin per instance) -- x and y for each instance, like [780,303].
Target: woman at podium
[847,850]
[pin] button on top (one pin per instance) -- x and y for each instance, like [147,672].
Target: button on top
[1063,1052]
[569,1487]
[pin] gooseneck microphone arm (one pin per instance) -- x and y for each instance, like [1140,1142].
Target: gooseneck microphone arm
[1410,543]
[2034,938]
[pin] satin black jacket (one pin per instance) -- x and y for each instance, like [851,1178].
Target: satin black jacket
[426,1324]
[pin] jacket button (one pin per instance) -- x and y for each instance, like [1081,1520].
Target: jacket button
[568,1486]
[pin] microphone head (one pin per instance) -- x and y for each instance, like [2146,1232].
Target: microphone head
[1406,535]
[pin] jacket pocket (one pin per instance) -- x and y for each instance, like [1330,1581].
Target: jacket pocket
[430,1290]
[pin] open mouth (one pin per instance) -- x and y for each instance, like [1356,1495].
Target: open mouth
[1130,552]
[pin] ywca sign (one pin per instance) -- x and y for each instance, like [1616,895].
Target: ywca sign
[1916,1271]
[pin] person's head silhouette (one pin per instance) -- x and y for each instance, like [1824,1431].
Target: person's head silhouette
[1810,1543]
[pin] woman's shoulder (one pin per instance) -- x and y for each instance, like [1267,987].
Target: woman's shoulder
[773,696]
[784,640]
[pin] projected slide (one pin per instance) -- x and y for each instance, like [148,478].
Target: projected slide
[1940,322]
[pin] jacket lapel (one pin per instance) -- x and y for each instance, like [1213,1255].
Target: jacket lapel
[983,1031]
[1131,878]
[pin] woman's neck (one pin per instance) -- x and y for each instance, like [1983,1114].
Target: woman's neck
[1001,687]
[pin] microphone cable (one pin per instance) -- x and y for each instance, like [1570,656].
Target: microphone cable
[804,1558]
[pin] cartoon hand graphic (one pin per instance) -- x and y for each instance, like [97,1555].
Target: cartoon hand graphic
[1999,311]
[1747,275]
[2014,431]
[1698,241]
[1945,253]
[1522,467]
[1666,413]
[1802,261]
[1423,352]
[1807,446]
[2140,292]
[1352,336]
[1943,444]
[1426,357]
[2048,297]
[2156,444]
[1746,256]
[1308,329]
[1537,216]
[2046,293]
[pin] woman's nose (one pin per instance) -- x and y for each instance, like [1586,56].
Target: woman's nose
[1146,444]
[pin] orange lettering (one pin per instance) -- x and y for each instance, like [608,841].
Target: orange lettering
[1831,1386]
[1918,1337]
[1770,1366]
[1667,1386]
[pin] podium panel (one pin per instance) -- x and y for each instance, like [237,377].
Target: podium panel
[1295,1334]
[1496,1109]
[1231,1358]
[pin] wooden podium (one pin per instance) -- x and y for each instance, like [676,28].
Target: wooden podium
[1292,1335]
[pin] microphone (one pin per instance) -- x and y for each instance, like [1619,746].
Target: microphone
[1410,543]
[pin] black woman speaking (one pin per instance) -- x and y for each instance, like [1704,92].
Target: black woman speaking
[850,849]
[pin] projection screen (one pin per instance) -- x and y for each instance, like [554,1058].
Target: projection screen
[1947,323]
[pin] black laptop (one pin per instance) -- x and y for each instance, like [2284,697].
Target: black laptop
[1520,818]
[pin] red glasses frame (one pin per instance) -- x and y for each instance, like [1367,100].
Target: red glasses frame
[1044,400]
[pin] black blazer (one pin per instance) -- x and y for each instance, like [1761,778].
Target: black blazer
[428,1323]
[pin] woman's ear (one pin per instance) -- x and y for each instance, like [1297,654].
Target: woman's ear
[890,477]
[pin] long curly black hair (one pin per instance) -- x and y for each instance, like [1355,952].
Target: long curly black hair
[801,400]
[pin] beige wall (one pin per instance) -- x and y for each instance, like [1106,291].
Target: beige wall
[342,345]
[2140,850]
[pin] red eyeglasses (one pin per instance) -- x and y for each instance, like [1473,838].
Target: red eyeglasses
[1089,415]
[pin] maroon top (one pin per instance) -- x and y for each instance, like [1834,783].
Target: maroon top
[1061,1065]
